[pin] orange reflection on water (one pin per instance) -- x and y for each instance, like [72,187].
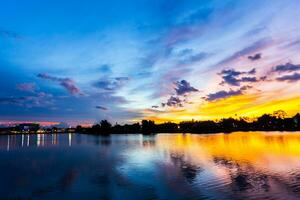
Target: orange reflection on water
[275,152]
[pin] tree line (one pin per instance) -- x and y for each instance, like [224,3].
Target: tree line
[278,121]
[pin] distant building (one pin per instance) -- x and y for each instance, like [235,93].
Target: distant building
[28,127]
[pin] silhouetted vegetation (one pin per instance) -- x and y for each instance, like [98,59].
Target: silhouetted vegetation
[267,122]
[278,121]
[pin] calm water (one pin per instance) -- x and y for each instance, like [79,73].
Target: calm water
[164,166]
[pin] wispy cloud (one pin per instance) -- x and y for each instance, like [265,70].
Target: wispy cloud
[27,87]
[40,99]
[111,84]
[101,108]
[256,46]
[67,83]
[193,58]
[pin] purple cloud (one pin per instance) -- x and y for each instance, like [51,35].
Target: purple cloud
[255,57]
[183,87]
[173,102]
[288,67]
[289,78]
[223,94]
[232,77]
[67,83]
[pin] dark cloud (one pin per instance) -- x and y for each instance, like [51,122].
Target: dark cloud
[255,57]
[111,84]
[101,108]
[288,67]
[249,79]
[154,106]
[67,83]
[232,77]
[26,87]
[173,102]
[223,94]
[289,78]
[183,87]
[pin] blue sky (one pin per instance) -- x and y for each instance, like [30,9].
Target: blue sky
[79,62]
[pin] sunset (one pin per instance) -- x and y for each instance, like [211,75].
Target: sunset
[79,63]
[150,99]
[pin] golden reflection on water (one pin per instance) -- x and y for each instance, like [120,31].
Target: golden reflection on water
[269,151]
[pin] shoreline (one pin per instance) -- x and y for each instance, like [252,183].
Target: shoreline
[140,133]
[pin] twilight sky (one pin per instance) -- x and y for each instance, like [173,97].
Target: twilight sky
[167,60]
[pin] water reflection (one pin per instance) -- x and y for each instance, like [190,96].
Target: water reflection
[165,166]
[34,140]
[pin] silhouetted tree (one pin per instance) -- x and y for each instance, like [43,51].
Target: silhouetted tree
[278,121]
[96,129]
[167,127]
[105,126]
[148,126]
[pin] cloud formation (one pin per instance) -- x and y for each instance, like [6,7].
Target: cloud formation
[183,87]
[67,83]
[40,99]
[223,94]
[288,67]
[289,78]
[255,57]
[101,108]
[232,77]
[112,84]
[173,101]
[189,59]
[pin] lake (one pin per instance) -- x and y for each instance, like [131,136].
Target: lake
[239,165]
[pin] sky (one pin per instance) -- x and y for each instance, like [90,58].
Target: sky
[79,62]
